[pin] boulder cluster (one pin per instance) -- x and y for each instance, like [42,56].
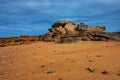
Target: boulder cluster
[65,31]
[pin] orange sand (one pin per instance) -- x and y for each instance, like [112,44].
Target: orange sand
[68,61]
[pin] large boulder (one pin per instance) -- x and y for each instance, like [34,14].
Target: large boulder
[63,27]
[70,29]
[62,23]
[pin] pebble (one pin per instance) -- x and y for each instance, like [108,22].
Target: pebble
[1,74]
[87,56]
[91,60]
[42,66]
[118,73]
[104,72]
[90,69]
[51,72]
[98,56]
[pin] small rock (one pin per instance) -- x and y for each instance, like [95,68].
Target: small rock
[87,56]
[90,69]
[91,60]
[11,62]
[98,56]
[72,61]
[51,72]
[104,72]
[1,74]
[67,59]
[118,73]
[33,72]
[68,69]
[42,66]
[54,50]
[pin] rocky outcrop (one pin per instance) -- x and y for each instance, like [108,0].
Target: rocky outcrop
[65,31]
[19,40]
[68,29]
[84,27]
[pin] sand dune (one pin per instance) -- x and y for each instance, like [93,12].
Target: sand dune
[84,60]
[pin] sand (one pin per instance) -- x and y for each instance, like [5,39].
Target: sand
[51,61]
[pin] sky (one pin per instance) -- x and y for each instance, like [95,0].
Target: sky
[34,17]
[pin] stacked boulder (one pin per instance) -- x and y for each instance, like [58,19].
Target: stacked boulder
[65,29]
[60,29]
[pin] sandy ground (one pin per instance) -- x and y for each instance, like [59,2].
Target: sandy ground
[51,61]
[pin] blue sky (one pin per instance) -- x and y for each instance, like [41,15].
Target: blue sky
[34,17]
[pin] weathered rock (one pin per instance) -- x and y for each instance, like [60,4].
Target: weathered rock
[62,23]
[70,29]
[65,31]
[95,29]
[48,37]
[90,69]
[81,27]
[58,30]
[101,28]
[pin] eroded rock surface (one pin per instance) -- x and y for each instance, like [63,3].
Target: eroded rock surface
[68,29]
[65,30]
